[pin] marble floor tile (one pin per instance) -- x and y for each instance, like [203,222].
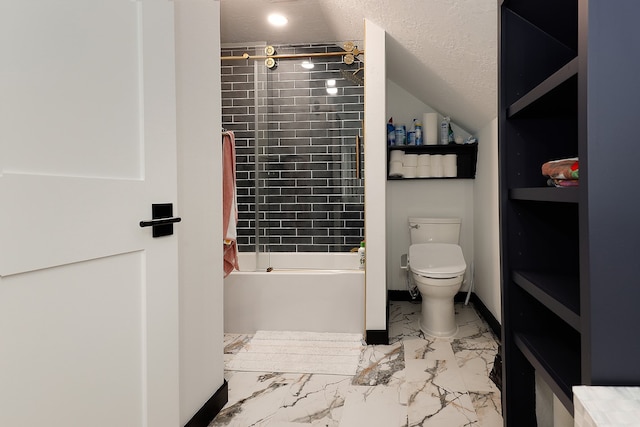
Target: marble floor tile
[429,348]
[374,406]
[262,399]
[488,407]
[415,381]
[476,366]
[443,373]
[432,405]
[233,343]
[380,365]
[403,321]
[466,314]
[437,394]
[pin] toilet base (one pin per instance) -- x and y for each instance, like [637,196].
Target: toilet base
[438,316]
[438,334]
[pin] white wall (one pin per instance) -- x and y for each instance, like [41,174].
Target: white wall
[486,221]
[404,107]
[375,162]
[200,194]
[426,198]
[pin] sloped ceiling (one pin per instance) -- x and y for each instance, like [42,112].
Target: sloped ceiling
[444,52]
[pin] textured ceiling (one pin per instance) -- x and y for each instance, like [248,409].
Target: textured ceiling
[444,52]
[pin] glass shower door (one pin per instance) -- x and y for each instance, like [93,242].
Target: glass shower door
[311,158]
[306,158]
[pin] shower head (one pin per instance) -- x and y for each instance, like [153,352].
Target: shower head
[353,77]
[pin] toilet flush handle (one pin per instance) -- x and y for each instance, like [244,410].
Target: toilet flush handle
[415,226]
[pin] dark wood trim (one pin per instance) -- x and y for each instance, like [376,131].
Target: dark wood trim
[211,408]
[486,315]
[378,336]
[396,295]
[460,297]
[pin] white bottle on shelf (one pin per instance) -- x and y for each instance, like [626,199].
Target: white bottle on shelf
[444,131]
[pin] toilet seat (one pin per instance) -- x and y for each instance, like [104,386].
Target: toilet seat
[436,260]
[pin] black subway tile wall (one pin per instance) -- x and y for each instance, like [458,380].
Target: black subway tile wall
[303,195]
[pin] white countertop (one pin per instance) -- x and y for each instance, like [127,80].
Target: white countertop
[606,406]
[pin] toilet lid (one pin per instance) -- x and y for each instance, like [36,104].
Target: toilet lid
[437,260]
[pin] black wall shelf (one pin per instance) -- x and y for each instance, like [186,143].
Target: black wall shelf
[467,157]
[545,194]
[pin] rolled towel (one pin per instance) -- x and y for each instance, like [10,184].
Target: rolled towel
[562,169]
[563,182]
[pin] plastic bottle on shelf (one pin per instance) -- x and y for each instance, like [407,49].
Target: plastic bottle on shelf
[411,134]
[401,135]
[361,255]
[418,127]
[391,132]
[444,131]
[411,137]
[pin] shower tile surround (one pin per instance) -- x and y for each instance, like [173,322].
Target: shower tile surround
[413,381]
[308,197]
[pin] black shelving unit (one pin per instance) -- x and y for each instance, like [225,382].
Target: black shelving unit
[467,157]
[568,86]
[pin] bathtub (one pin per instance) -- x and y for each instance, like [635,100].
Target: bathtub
[323,293]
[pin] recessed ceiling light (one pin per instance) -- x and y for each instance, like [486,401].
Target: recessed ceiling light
[332,90]
[307,65]
[277,20]
[331,83]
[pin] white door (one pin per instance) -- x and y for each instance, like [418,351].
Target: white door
[88,299]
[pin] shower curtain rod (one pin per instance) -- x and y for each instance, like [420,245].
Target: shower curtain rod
[354,52]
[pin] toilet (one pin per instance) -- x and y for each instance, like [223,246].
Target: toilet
[437,267]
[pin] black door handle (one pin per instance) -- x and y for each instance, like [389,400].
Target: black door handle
[162,219]
[155,222]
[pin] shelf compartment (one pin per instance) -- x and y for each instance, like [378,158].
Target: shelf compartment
[529,55]
[560,293]
[546,194]
[556,359]
[465,162]
[529,140]
[564,81]
[556,18]
[541,236]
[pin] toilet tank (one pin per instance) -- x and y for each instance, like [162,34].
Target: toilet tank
[436,230]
